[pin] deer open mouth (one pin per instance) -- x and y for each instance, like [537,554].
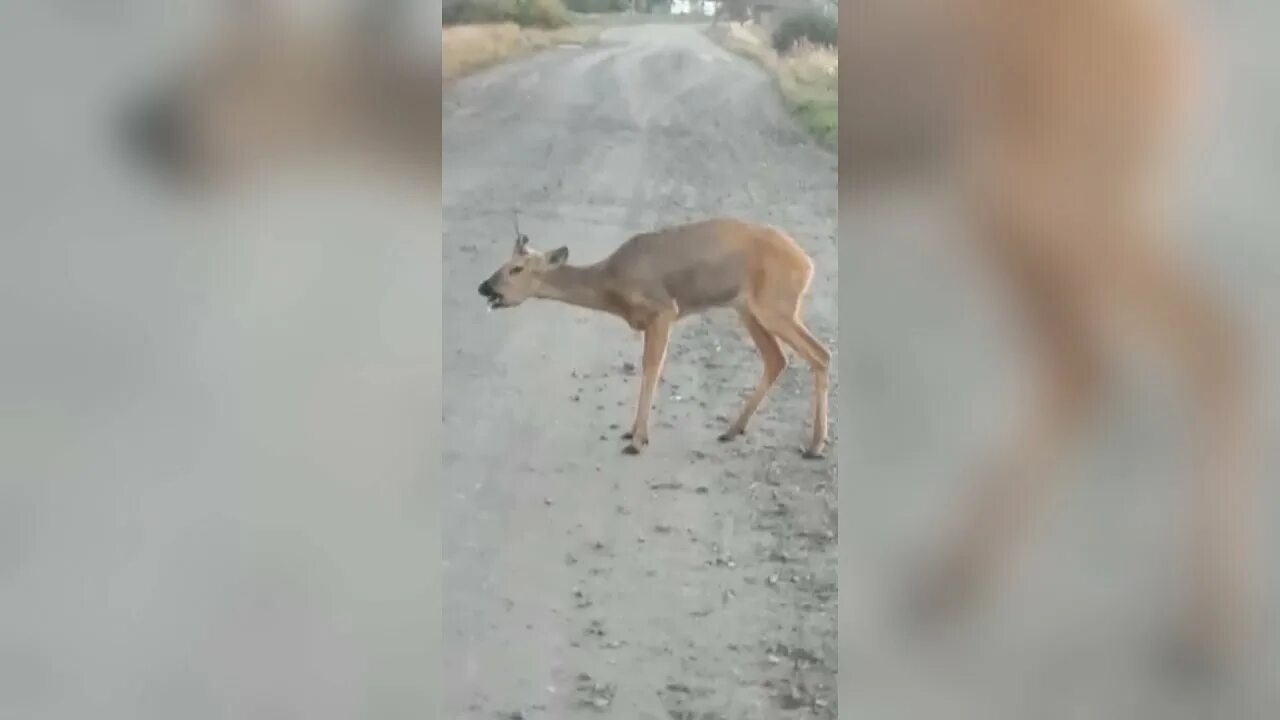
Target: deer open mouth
[494,298]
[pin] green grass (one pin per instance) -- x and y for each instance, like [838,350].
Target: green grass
[821,118]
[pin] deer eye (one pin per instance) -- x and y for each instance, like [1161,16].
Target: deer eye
[515,270]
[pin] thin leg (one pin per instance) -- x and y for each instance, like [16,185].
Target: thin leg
[791,331]
[821,364]
[1201,338]
[774,363]
[655,352]
[1010,495]
[1015,488]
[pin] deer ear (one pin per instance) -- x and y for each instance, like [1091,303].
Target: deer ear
[558,256]
[522,244]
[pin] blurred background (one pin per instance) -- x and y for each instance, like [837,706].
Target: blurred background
[1084,623]
[220,409]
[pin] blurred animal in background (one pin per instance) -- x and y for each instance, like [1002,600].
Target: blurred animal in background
[277,87]
[1056,119]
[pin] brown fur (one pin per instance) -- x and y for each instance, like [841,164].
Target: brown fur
[657,278]
[1060,118]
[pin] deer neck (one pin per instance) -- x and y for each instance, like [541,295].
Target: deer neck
[581,286]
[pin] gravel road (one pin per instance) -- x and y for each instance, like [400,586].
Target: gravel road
[697,580]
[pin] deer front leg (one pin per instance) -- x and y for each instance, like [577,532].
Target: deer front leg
[656,335]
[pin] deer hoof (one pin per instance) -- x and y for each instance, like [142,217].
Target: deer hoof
[939,596]
[1192,660]
[631,450]
[729,435]
[811,454]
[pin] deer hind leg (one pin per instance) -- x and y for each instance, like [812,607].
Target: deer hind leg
[774,363]
[1015,486]
[1200,337]
[656,336]
[790,330]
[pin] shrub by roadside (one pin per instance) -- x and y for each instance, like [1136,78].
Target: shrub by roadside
[808,75]
[809,26]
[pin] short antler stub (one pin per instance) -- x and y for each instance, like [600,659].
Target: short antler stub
[522,240]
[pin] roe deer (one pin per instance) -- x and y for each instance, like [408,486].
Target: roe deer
[657,278]
[1061,114]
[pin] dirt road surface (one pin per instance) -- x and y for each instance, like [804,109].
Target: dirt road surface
[697,580]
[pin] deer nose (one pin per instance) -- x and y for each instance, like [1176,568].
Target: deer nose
[153,132]
[486,288]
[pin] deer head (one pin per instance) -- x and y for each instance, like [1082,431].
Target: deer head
[523,275]
[273,89]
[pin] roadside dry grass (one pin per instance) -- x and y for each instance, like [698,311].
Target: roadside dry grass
[468,48]
[808,76]
[623,19]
